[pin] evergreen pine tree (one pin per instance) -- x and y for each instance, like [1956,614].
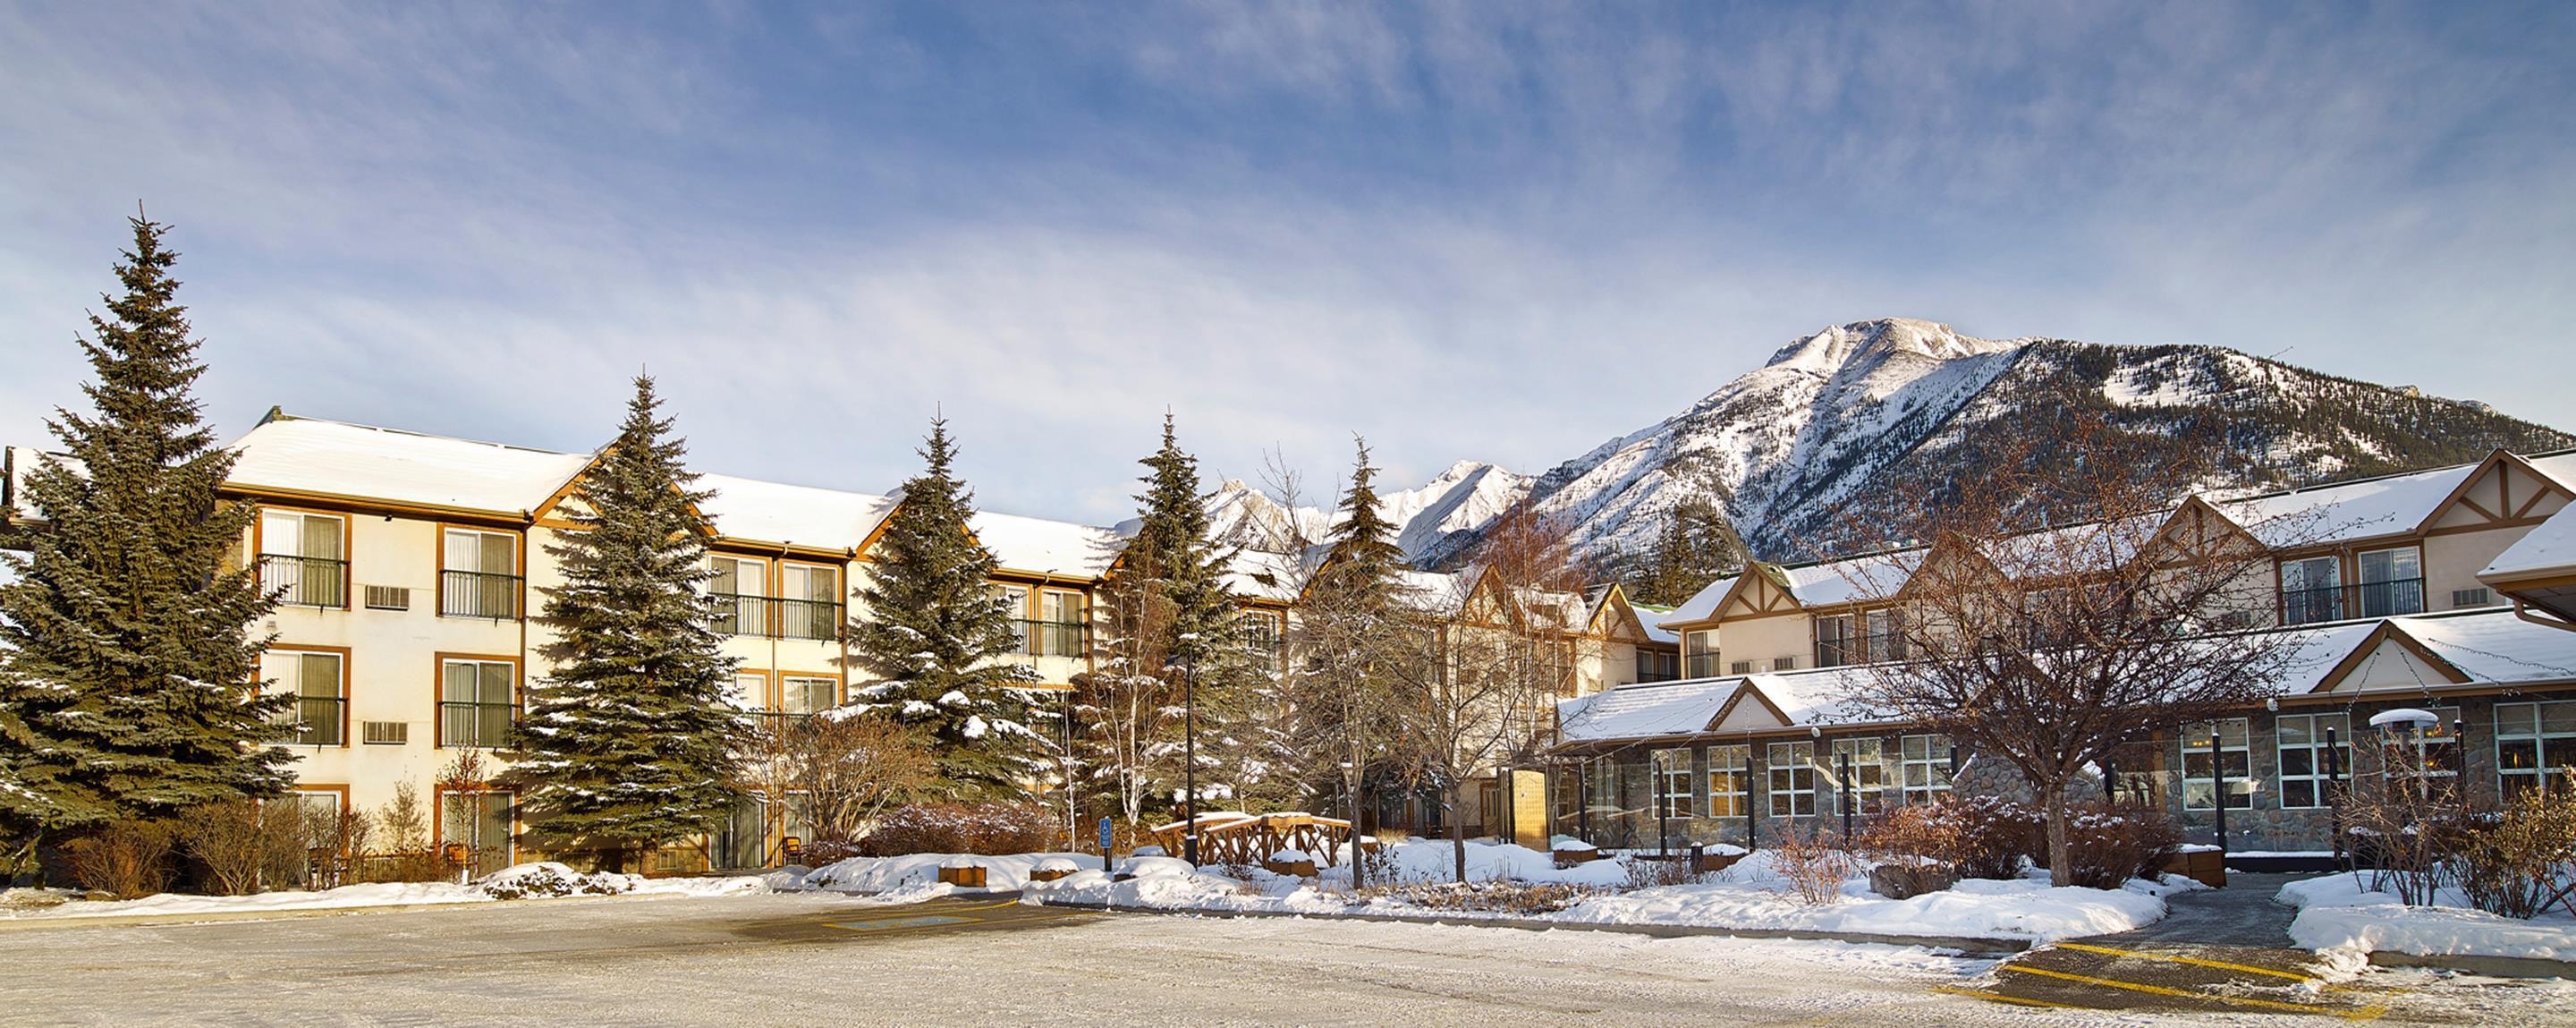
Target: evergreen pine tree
[1353,632]
[127,664]
[631,741]
[1186,563]
[936,635]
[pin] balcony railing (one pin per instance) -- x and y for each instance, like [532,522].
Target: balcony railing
[771,617]
[316,720]
[485,725]
[305,581]
[1700,665]
[1054,638]
[2361,600]
[478,594]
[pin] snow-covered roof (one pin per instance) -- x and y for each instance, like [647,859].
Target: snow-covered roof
[1653,618]
[1256,574]
[1823,696]
[2551,546]
[1876,575]
[773,512]
[2388,504]
[1702,603]
[1059,549]
[332,458]
[2493,646]
[1644,711]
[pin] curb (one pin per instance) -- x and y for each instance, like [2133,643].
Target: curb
[1966,945]
[2492,967]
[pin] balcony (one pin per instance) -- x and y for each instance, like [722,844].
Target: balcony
[770,617]
[305,581]
[1054,638]
[316,720]
[481,725]
[478,594]
[2363,600]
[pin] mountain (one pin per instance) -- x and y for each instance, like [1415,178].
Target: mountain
[1437,521]
[1861,410]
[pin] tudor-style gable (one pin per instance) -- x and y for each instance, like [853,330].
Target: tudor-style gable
[2388,658]
[2505,491]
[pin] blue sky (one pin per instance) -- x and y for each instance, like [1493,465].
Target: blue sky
[1475,230]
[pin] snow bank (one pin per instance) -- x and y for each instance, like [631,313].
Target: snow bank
[2337,912]
[888,874]
[541,880]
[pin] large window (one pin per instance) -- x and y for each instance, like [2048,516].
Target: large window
[1880,635]
[738,596]
[751,690]
[1699,654]
[1924,766]
[1836,642]
[1867,781]
[809,603]
[479,576]
[1672,771]
[1793,778]
[476,702]
[2392,582]
[316,680]
[2305,759]
[1059,626]
[1658,665]
[2535,745]
[1261,636]
[1016,600]
[1730,780]
[301,558]
[480,823]
[2215,751]
[799,694]
[2311,590]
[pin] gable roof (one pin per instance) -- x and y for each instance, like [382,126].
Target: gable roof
[1055,549]
[289,457]
[750,510]
[2548,550]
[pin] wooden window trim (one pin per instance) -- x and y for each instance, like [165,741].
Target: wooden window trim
[518,553]
[347,680]
[778,686]
[438,794]
[438,685]
[348,545]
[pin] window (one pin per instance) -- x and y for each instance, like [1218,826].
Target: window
[1730,776]
[2311,590]
[751,690]
[1880,636]
[809,603]
[1672,768]
[1793,778]
[2211,751]
[2478,597]
[744,840]
[807,695]
[1700,654]
[476,705]
[314,805]
[1923,767]
[2392,582]
[314,679]
[480,822]
[738,596]
[1835,646]
[1868,782]
[480,575]
[1059,627]
[2304,757]
[1015,600]
[1261,636]
[1658,665]
[2535,745]
[300,558]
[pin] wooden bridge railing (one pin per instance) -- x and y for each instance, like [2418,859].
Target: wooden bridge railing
[1234,838]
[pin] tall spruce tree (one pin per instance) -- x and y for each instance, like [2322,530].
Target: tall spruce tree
[631,741]
[127,663]
[1353,632]
[936,635]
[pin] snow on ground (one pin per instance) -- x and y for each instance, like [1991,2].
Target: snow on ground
[541,880]
[2338,912]
[919,871]
[1751,895]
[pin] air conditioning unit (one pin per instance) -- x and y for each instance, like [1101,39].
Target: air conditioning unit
[388,597]
[386,733]
[2478,597]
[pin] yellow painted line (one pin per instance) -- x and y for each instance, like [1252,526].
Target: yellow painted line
[2001,998]
[2159,990]
[2219,964]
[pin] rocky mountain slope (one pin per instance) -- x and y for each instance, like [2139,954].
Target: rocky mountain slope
[1857,409]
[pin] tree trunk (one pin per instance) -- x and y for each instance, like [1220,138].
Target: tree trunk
[2061,868]
[1458,829]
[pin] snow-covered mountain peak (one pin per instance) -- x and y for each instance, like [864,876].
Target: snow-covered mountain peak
[1868,343]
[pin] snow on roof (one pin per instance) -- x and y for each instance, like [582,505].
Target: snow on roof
[2551,546]
[1824,696]
[1644,711]
[774,512]
[1054,548]
[309,455]
[1257,574]
[2493,645]
[1433,592]
[2352,510]
[1653,619]
[1871,576]
[1704,602]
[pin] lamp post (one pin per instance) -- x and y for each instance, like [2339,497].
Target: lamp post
[2334,777]
[1663,803]
[1842,791]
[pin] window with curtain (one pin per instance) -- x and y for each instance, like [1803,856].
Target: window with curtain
[2392,582]
[301,556]
[809,601]
[476,702]
[738,595]
[316,681]
[481,574]
[806,695]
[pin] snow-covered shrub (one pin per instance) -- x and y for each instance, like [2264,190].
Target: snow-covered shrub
[2522,862]
[1522,898]
[1815,867]
[2110,844]
[547,880]
[1981,836]
[125,859]
[1649,874]
[987,828]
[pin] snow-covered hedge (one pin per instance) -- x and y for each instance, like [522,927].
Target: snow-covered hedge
[2337,912]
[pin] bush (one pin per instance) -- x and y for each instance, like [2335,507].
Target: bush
[983,828]
[1979,836]
[231,840]
[2522,862]
[1493,897]
[2111,844]
[125,859]
[1814,866]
